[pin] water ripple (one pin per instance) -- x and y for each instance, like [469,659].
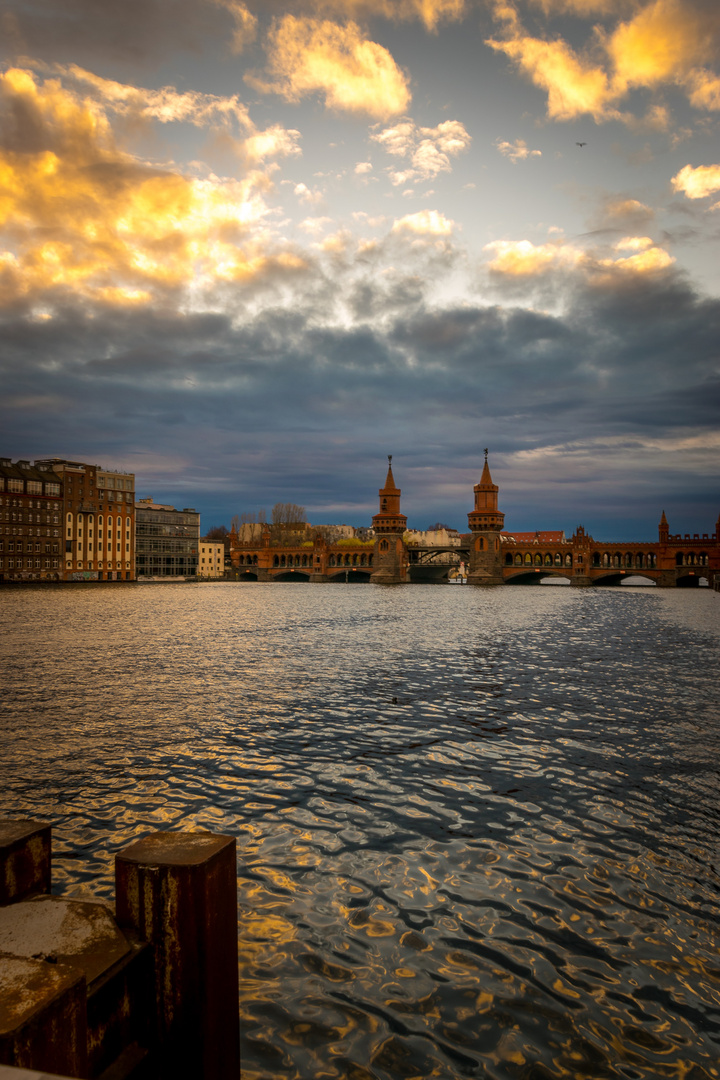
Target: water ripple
[478,831]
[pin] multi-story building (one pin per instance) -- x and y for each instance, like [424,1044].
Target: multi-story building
[211,560]
[31,507]
[166,540]
[98,521]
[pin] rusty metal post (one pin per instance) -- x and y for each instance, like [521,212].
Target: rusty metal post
[179,892]
[24,859]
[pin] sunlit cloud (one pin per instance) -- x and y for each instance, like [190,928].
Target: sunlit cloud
[662,43]
[79,215]
[521,259]
[353,74]
[305,195]
[517,151]
[168,105]
[431,13]
[425,222]
[427,150]
[363,167]
[575,85]
[697,183]
[245,24]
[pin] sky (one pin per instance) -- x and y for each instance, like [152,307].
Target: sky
[248,249]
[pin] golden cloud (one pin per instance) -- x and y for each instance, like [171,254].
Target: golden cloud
[245,23]
[167,105]
[429,12]
[521,259]
[424,222]
[79,214]
[575,86]
[355,75]
[662,43]
[699,182]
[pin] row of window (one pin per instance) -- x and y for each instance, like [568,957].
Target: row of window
[21,515]
[30,564]
[30,487]
[29,546]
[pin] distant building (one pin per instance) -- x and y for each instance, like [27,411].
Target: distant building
[31,508]
[543,536]
[167,541]
[211,559]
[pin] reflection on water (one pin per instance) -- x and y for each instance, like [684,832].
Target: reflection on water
[478,830]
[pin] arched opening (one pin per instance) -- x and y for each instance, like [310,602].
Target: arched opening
[508,559]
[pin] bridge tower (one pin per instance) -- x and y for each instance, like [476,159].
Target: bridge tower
[663,529]
[390,564]
[486,523]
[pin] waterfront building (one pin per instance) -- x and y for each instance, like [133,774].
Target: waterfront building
[167,541]
[31,507]
[98,521]
[211,559]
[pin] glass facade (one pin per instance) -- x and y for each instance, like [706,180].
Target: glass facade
[166,541]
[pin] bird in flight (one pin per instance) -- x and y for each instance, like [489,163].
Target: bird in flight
[581,144]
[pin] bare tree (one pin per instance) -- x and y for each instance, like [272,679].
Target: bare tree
[218,532]
[287,514]
[235,523]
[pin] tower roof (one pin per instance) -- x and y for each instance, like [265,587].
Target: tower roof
[390,486]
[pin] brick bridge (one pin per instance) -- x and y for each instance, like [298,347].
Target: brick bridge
[490,555]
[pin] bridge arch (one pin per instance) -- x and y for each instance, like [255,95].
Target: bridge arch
[291,575]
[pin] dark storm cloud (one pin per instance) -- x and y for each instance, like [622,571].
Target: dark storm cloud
[235,417]
[133,30]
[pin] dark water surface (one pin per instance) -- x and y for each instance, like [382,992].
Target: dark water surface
[478,830]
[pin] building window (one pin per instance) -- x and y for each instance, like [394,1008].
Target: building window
[14,485]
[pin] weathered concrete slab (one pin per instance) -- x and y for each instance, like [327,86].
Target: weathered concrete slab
[43,1020]
[82,935]
[7,1072]
[24,858]
[179,892]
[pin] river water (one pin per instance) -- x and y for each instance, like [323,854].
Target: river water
[477,830]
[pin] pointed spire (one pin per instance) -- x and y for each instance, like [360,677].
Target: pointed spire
[390,486]
[663,519]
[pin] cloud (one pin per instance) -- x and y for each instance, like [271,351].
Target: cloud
[664,43]
[431,13]
[305,195]
[517,151]
[167,105]
[619,210]
[428,150]
[523,260]
[245,23]
[355,75]
[697,183]
[425,222]
[363,167]
[80,216]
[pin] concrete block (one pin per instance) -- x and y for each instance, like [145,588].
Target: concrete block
[43,1019]
[24,859]
[84,937]
[179,892]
